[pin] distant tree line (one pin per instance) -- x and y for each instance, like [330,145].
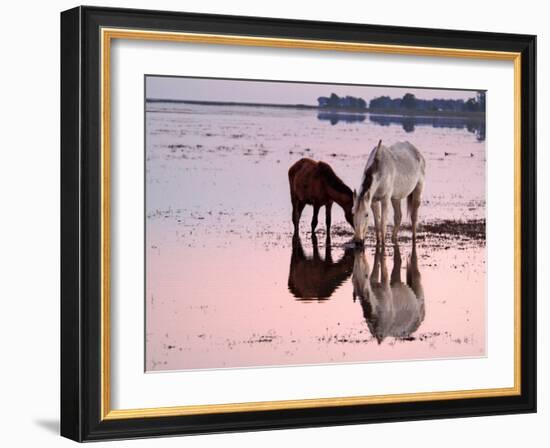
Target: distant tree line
[410,102]
[347,102]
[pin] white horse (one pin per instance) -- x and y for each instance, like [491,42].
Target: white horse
[391,174]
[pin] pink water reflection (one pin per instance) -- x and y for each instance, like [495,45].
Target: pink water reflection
[223,277]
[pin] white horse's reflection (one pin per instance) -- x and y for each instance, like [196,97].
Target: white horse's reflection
[390,307]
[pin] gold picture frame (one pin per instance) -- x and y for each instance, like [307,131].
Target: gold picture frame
[109,29]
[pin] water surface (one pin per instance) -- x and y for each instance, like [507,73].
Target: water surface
[227,284]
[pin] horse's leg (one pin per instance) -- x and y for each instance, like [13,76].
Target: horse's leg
[295,219]
[416,199]
[315,218]
[375,273]
[375,207]
[328,215]
[297,208]
[315,244]
[396,270]
[384,219]
[396,203]
[383,268]
[414,279]
[328,249]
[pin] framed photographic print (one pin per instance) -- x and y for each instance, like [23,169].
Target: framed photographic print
[273,223]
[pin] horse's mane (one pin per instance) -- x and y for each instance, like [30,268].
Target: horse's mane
[333,180]
[367,181]
[370,167]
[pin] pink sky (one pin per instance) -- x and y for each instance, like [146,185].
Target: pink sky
[204,89]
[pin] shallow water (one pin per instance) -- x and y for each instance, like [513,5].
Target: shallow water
[228,286]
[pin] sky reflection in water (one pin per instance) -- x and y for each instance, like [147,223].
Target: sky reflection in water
[227,284]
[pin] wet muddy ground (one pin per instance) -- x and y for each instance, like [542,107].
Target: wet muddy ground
[227,285]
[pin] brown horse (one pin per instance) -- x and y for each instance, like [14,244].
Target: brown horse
[315,183]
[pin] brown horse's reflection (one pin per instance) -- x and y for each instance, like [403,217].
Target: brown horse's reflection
[313,277]
[390,307]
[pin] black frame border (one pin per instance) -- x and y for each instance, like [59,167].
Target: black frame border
[81,223]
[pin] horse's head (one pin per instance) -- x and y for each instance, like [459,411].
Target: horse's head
[361,207]
[349,216]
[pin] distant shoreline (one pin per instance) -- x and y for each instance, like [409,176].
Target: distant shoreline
[233,103]
[335,110]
